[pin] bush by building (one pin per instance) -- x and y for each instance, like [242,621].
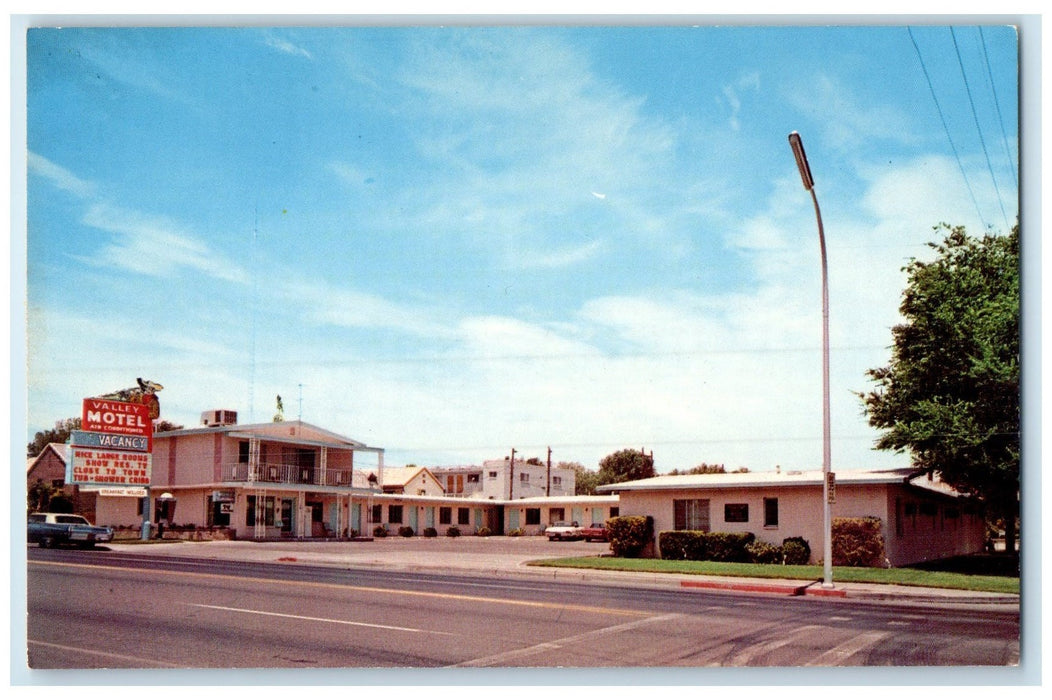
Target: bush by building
[858,542]
[630,534]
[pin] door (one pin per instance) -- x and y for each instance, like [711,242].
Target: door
[413,517]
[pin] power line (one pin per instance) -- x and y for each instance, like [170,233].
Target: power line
[945,127]
[997,105]
[978,128]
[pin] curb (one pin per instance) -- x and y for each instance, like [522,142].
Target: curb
[773,588]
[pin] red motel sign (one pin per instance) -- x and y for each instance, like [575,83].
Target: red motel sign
[118,418]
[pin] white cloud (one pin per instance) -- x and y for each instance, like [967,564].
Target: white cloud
[155,246]
[287,47]
[59,176]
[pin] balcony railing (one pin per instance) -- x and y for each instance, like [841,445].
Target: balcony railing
[286,474]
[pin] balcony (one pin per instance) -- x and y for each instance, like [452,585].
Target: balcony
[286,474]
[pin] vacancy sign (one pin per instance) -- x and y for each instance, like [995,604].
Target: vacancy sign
[114,445]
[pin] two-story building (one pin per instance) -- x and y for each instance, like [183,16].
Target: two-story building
[507,480]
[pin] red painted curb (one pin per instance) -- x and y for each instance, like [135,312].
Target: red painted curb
[747,587]
[827,592]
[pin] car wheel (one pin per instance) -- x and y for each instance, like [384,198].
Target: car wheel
[45,542]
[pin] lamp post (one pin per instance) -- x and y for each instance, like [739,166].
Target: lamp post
[827,476]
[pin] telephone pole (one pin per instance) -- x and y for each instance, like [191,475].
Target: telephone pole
[511,477]
[548,490]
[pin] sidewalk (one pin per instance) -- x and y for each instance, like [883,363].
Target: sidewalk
[510,556]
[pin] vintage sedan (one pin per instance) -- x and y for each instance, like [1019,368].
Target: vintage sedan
[563,531]
[596,532]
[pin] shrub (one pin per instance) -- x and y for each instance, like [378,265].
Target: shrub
[795,550]
[517,532]
[430,532]
[764,553]
[484,532]
[630,534]
[406,531]
[857,542]
[697,545]
[380,531]
[729,546]
[453,531]
[682,545]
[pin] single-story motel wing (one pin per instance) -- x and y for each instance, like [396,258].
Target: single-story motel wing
[291,479]
[922,518]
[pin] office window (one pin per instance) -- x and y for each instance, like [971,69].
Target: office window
[463,516]
[691,514]
[770,512]
[445,515]
[394,514]
[736,513]
[533,516]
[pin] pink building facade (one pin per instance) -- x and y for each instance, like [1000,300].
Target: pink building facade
[922,519]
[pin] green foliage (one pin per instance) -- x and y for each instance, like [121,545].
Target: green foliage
[484,532]
[585,480]
[430,532]
[857,542]
[795,551]
[60,434]
[696,545]
[453,531]
[406,531]
[764,553]
[626,465]
[517,532]
[950,395]
[630,534]
[380,531]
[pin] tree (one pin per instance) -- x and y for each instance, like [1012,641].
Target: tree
[585,480]
[626,465]
[60,433]
[950,395]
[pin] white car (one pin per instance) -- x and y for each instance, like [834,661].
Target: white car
[563,531]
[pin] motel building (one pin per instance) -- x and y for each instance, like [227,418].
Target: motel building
[922,518]
[291,479]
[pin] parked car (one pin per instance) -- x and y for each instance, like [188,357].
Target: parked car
[596,532]
[52,529]
[563,531]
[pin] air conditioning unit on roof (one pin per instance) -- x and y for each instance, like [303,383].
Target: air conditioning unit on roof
[218,417]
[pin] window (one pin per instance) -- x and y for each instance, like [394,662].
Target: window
[533,516]
[524,477]
[242,452]
[463,516]
[614,511]
[691,514]
[445,515]
[770,512]
[377,514]
[394,514]
[473,478]
[557,481]
[556,514]
[493,475]
[736,513]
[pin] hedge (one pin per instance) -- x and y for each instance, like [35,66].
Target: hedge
[858,542]
[630,534]
[697,545]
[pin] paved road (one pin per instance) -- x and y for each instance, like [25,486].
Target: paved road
[134,609]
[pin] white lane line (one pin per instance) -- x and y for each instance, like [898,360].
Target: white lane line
[754,651]
[502,658]
[317,619]
[841,652]
[139,662]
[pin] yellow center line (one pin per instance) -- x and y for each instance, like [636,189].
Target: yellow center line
[362,589]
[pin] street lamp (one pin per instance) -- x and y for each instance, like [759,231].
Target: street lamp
[827,476]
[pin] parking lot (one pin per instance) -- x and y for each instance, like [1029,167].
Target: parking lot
[485,553]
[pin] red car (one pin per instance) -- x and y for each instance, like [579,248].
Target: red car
[597,532]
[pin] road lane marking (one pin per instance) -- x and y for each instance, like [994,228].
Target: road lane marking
[140,662]
[754,651]
[843,651]
[502,658]
[621,612]
[317,619]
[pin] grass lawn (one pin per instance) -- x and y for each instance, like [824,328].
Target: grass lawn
[902,577]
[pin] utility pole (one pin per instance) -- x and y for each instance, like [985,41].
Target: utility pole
[548,490]
[511,477]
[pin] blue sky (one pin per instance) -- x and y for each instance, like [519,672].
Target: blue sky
[451,242]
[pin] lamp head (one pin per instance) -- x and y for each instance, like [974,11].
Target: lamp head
[801,161]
